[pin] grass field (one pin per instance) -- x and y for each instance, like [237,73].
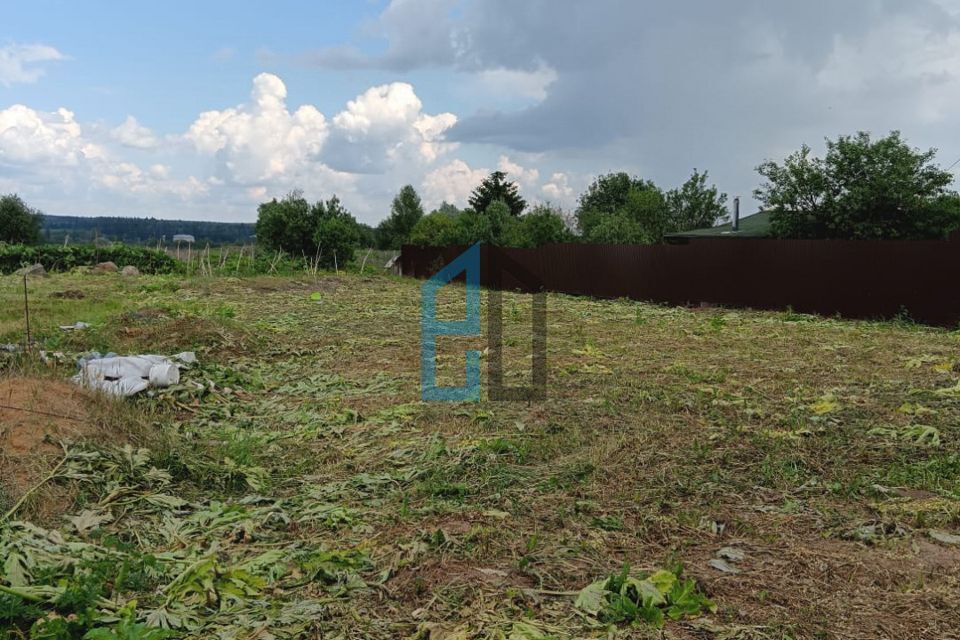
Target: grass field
[804,472]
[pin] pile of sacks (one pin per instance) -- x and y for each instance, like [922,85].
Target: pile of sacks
[129,375]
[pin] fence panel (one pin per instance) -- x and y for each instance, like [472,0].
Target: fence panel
[852,278]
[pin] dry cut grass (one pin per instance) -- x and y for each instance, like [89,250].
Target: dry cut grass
[824,453]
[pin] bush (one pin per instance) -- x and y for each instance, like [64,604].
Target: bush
[497,225]
[541,226]
[324,231]
[287,225]
[618,228]
[19,224]
[437,229]
[60,258]
[337,239]
[862,188]
[618,209]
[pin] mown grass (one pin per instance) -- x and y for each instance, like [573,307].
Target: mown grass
[668,434]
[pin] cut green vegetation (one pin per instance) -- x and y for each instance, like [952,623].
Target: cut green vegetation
[804,472]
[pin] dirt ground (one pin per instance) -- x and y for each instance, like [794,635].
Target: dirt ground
[36,416]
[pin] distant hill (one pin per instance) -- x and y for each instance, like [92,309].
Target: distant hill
[145,231]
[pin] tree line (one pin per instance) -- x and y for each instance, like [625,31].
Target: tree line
[863,188]
[22,224]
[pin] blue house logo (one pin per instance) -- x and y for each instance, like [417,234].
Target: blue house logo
[468,263]
[431,329]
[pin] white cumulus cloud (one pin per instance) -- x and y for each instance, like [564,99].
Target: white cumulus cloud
[19,62]
[55,154]
[385,126]
[558,189]
[128,178]
[380,140]
[28,136]
[517,172]
[133,134]
[451,183]
[262,140]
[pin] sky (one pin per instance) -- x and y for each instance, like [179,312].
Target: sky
[202,110]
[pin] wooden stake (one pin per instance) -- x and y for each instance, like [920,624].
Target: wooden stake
[26,312]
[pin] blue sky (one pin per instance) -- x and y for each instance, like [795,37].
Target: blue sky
[201,110]
[167,62]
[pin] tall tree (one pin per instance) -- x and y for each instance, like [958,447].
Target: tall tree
[497,187]
[19,223]
[619,204]
[447,209]
[695,205]
[862,188]
[405,212]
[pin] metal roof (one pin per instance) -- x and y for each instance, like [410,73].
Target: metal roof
[753,226]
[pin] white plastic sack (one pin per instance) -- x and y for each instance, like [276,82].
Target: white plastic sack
[129,375]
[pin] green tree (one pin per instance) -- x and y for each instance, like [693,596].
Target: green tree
[287,225]
[695,205]
[336,233]
[862,188]
[616,202]
[448,209]
[614,194]
[19,223]
[475,227]
[543,225]
[607,193]
[497,187]
[618,228]
[324,230]
[405,212]
[497,215]
[437,229]
[368,236]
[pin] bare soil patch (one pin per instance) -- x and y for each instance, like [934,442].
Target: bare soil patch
[36,415]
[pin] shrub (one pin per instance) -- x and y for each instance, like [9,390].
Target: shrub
[437,229]
[541,226]
[60,258]
[324,230]
[337,239]
[288,225]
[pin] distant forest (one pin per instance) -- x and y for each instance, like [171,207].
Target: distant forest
[145,231]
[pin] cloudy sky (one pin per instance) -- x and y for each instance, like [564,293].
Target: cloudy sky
[203,109]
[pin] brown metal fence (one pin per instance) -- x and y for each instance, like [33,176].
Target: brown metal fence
[850,278]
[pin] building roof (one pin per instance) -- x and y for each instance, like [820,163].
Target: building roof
[754,226]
